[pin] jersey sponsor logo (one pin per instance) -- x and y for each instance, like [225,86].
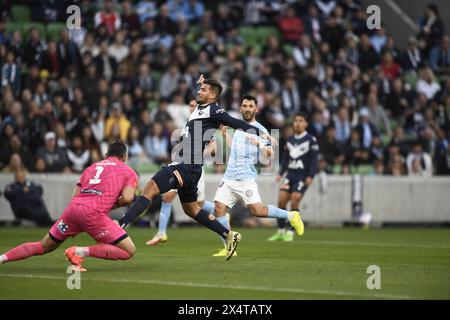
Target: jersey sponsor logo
[91,191]
[63,227]
[221,110]
[296,164]
[102,234]
[249,193]
[298,150]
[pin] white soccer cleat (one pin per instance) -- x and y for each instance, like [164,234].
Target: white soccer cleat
[232,241]
[157,239]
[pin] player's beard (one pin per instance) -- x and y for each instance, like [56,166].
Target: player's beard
[248,116]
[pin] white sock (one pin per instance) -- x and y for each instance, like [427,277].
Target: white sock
[82,251]
[282,231]
[3,258]
[290,232]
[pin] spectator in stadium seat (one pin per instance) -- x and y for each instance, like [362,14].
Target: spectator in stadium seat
[366,129]
[169,81]
[33,49]
[10,73]
[50,158]
[146,9]
[178,110]
[443,161]
[368,57]
[427,84]
[157,145]
[130,20]
[391,69]
[290,96]
[355,152]
[117,118]
[379,40]
[118,50]
[108,18]
[313,23]
[440,57]
[136,150]
[25,198]
[14,163]
[106,65]
[418,162]
[291,26]
[18,147]
[331,150]
[79,157]
[302,51]
[377,115]
[411,58]
[342,125]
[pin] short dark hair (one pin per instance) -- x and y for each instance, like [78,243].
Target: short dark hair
[117,149]
[301,114]
[249,97]
[215,85]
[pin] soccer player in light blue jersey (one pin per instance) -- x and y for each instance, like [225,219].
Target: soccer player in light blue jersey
[239,182]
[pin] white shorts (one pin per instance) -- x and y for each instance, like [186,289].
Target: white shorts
[229,192]
[200,186]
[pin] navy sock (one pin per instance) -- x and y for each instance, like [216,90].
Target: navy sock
[281,222]
[209,221]
[137,208]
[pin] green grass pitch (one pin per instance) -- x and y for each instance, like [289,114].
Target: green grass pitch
[323,264]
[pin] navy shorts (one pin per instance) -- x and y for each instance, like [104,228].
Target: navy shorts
[183,177]
[294,183]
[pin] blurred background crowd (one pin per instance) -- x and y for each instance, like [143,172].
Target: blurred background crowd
[128,73]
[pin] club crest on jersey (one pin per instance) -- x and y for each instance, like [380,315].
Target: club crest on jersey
[298,150]
[62,227]
[249,193]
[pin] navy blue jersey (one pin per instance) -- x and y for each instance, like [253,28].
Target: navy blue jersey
[201,127]
[300,156]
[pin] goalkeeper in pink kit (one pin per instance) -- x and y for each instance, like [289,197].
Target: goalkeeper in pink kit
[102,186]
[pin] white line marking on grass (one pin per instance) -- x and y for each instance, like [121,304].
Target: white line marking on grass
[206,285]
[376,244]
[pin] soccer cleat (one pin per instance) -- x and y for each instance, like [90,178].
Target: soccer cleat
[277,236]
[297,223]
[232,242]
[157,239]
[74,259]
[223,252]
[288,236]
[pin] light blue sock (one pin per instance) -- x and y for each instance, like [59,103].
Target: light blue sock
[164,216]
[208,207]
[275,212]
[224,221]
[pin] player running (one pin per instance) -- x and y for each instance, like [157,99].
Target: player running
[168,197]
[239,182]
[102,186]
[184,173]
[300,163]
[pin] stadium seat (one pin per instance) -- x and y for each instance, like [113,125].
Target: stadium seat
[262,33]
[54,31]
[288,48]
[363,169]
[21,13]
[39,26]
[249,35]
[337,169]
[14,26]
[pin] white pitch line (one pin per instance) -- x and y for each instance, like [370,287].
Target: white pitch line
[375,244]
[215,286]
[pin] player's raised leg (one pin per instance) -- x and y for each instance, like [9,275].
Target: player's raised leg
[30,249]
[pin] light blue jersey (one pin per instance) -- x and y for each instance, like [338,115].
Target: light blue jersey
[244,156]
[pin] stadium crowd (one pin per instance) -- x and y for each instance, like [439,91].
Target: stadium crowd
[128,73]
